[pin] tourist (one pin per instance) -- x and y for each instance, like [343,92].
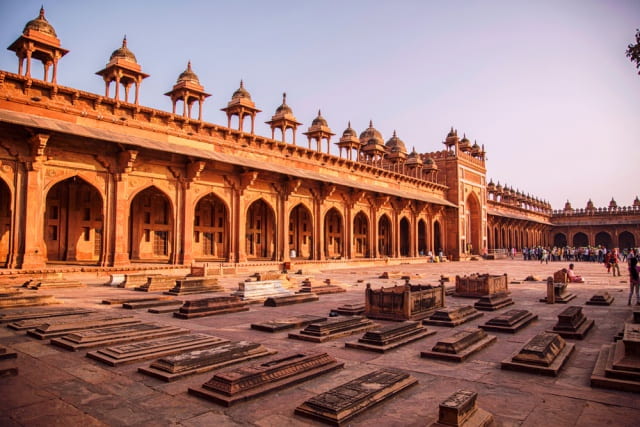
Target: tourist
[613,260]
[634,280]
[573,277]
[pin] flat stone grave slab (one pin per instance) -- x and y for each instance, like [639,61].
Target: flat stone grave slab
[54,284]
[320,288]
[260,290]
[27,300]
[118,301]
[6,353]
[452,316]
[244,383]
[601,298]
[461,410]
[158,283]
[195,285]
[544,354]
[511,321]
[333,328]
[343,403]
[287,323]
[115,335]
[53,329]
[572,323]
[23,325]
[165,309]
[618,364]
[290,299]
[210,307]
[137,352]
[171,368]
[460,345]
[14,315]
[350,309]
[148,304]
[390,336]
[135,279]
[493,302]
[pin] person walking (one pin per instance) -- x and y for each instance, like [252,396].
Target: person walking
[613,260]
[634,280]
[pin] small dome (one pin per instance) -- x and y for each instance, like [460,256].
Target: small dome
[452,132]
[567,206]
[371,134]
[414,158]
[464,139]
[590,205]
[636,201]
[491,185]
[123,53]
[349,132]
[41,25]
[612,203]
[188,76]
[396,144]
[319,121]
[429,163]
[284,108]
[241,92]
[499,187]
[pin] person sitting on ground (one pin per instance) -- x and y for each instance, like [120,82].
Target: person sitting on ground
[573,277]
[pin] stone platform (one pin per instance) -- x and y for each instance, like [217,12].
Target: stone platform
[210,307]
[390,336]
[287,323]
[261,290]
[601,298]
[137,352]
[195,285]
[343,403]
[544,354]
[159,283]
[53,329]
[15,315]
[511,321]
[171,368]
[493,302]
[452,316]
[572,323]
[334,328]
[460,410]
[27,300]
[53,284]
[290,299]
[230,387]
[320,288]
[618,364]
[459,346]
[350,310]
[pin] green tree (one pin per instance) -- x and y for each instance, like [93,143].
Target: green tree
[633,51]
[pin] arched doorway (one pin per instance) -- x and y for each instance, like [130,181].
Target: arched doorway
[560,240]
[405,237]
[151,223]
[437,238]
[473,223]
[626,240]
[580,240]
[384,236]
[333,234]
[422,237]
[300,232]
[261,231]
[361,235]
[73,222]
[5,222]
[210,225]
[604,239]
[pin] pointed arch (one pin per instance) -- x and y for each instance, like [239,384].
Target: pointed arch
[361,235]
[261,231]
[560,240]
[384,236]
[626,240]
[405,237]
[604,239]
[437,238]
[74,221]
[580,240]
[422,237]
[301,232]
[333,234]
[5,222]
[211,228]
[473,222]
[151,221]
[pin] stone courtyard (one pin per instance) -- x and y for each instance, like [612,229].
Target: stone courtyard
[55,386]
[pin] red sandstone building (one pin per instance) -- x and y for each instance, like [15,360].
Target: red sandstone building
[99,179]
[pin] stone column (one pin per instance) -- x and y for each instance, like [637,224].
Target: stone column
[121,217]
[241,226]
[35,250]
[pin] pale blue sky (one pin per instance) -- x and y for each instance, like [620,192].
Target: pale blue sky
[545,85]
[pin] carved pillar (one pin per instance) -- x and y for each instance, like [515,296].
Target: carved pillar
[348,231]
[318,228]
[121,217]
[373,232]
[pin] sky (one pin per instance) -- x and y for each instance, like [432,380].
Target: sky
[544,85]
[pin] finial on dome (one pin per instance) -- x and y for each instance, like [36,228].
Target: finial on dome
[370,123]
[124,41]
[189,66]
[394,134]
[42,11]
[319,113]
[241,83]
[349,124]
[284,97]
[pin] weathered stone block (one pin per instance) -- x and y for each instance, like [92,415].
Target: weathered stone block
[461,410]
[460,345]
[334,328]
[510,321]
[601,298]
[453,316]
[544,354]
[407,302]
[478,285]
[210,307]
[572,323]
[195,285]
[288,323]
[390,337]
[493,302]
[290,299]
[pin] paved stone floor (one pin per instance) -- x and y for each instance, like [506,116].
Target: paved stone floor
[59,387]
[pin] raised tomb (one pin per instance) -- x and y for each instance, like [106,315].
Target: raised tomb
[460,345]
[171,368]
[493,290]
[391,336]
[159,282]
[461,410]
[618,364]
[211,307]
[259,290]
[287,323]
[320,287]
[247,382]
[350,309]
[572,323]
[557,292]
[544,354]
[452,316]
[510,321]
[195,285]
[278,301]
[343,403]
[601,298]
[405,302]
[335,327]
